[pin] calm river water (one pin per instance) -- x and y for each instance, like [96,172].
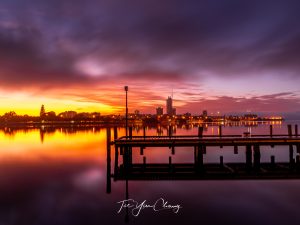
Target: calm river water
[58,176]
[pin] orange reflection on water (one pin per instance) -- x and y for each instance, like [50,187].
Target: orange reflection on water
[27,146]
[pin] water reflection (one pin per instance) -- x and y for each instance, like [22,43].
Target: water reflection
[58,176]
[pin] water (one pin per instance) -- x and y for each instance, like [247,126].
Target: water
[58,176]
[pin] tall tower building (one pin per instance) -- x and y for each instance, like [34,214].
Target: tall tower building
[42,112]
[169,106]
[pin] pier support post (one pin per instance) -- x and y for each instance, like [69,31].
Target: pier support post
[144,163]
[271,130]
[199,157]
[173,150]
[115,133]
[291,150]
[200,131]
[130,132]
[116,159]
[290,130]
[220,130]
[170,131]
[248,157]
[236,149]
[170,164]
[296,130]
[144,132]
[256,157]
[298,162]
[108,159]
[272,161]
[220,134]
[142,150]
[221,162]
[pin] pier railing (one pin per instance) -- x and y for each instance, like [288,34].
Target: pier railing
[252,168]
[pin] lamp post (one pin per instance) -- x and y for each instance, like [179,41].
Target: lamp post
[126,116]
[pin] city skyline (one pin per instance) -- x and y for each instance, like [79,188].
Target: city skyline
[239,57]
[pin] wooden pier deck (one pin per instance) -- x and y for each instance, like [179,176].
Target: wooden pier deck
[252,168]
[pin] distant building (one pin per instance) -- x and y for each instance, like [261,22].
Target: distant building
[159,111]
[136,112]
[170,110]
[68,114]
[204,113]
[250,117]
[42,111]
[169,106]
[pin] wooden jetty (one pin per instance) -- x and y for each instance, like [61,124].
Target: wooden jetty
[252,168]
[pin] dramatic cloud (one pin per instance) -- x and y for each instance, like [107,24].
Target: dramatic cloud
[91,44]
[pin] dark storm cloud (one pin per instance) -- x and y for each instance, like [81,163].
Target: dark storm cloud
[44,42]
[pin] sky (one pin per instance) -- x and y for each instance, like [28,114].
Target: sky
[228,56]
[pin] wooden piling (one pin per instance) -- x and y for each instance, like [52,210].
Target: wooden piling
[142,150]
[144,132]
[220,130]
[115,133]
[271,134]
[235,149]
[256,157]
[271,130]
[290,130]
[130,132]
[116,159]
[298,162]
[204,149]
[144,162]
[296,130]
[248,156]
[170,131]
[173,150]
[272,161]
[221,162]
[108,159]
[200,131]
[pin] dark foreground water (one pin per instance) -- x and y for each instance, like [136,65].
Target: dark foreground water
[58,176]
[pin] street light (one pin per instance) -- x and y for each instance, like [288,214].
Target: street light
[126,117]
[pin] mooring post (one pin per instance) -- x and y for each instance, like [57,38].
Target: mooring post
[115,133]
[198,155]
[248,156]
[108,159]
[291,150]
[291,155]
[170,131]
[271,130]
[200,131]
[144,132]
[204,149]
[272,161]
[256,157]
[170,163]
[130,132]
[290,130]
[116,159]
[173,150]
[221,162]
[235,149]
[144,162]
[200,158]
[220,134]
[142,150]
[296,130]
[298,162]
